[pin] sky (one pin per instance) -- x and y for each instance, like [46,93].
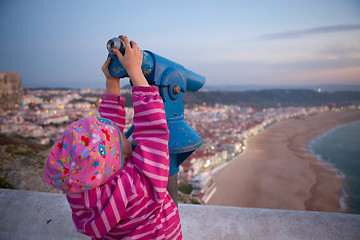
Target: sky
[264,43]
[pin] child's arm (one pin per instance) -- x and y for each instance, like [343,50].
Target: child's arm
[151,154]
[151,133]
[113,105]
[112,83]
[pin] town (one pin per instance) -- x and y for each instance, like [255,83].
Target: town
[43,115]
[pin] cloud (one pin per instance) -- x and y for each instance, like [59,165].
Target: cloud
[317,64]
[343,50]
[348,75]
[309,32]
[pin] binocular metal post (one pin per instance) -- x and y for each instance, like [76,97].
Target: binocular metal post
[172,187]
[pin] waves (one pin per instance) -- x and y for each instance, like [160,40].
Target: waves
[339,148]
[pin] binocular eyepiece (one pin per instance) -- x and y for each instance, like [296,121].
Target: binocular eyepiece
[157,70]
[116,43]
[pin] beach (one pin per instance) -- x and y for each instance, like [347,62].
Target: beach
[278,171]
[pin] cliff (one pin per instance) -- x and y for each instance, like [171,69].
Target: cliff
[11,90]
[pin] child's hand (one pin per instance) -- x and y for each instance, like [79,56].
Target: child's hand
[132,61]
[112,83]
[105,69]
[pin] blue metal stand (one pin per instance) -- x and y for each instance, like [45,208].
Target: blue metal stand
[173,81]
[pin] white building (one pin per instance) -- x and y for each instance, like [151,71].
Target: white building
[55,119]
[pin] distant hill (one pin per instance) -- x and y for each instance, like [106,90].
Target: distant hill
[265,98]
[324,87]
[273,98]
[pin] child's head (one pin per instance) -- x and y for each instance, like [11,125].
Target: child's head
[88,153]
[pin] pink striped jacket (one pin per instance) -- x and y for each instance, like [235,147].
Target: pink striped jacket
[134,202]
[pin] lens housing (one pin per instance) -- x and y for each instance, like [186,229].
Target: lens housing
[115,43]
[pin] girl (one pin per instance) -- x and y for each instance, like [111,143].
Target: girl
[115,193]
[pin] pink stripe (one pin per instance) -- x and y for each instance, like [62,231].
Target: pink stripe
[152,221]
[154,139]
[155,152]
[158,185]
[160,189]
[156,164]
[150,162]
[86,199]
[119,116]
[155,182]
[106,221]
[167,205]
[148,132]
[145,189]
[140,218]
[79,213]
[169,216]
[86,202]
[138,236]
[148,116]
[149,112]
[76,206]
[133,196]
[108,101]
[156,176]
[141,102]
[135,208]
[141,208]
[96,231]
[98,199]
[178,235]
[142,93]
[152,123]
[136,198]
[174,231]
[158,226]
[129,183]
[112,106]
[113,206]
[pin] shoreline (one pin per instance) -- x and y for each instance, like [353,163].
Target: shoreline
[344,207]
[279,171]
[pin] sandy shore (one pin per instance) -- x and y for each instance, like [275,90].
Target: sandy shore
[278,172]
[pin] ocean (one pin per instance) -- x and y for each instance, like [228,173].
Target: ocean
[340,147]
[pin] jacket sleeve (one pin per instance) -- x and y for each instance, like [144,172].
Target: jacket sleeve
[151,133]
[113,107]
[96,211]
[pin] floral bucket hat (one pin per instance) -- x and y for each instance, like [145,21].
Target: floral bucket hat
[87,154]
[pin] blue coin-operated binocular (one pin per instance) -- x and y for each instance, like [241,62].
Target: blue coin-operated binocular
[173,81]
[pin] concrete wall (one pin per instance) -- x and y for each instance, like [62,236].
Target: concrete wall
[35,215]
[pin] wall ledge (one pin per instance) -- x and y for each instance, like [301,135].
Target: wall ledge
[39,215]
